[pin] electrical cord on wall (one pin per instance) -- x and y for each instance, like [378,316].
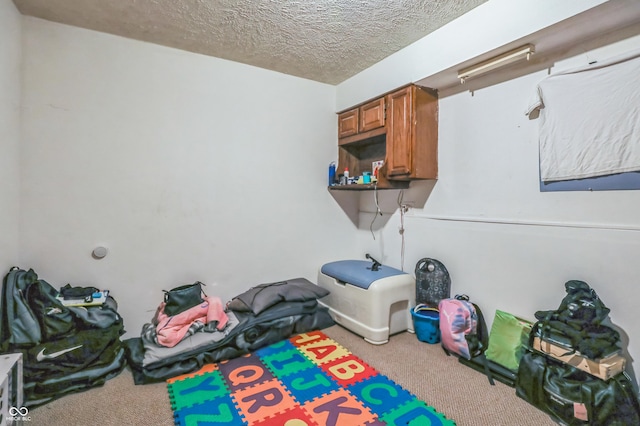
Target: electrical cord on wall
[403,209]
[378,211]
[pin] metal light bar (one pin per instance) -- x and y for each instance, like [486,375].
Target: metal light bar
[497,62]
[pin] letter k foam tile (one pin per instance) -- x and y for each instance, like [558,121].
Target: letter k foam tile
[337,409]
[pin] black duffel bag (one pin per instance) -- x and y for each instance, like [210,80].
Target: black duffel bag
[573,397]
[179,299]
[593,341]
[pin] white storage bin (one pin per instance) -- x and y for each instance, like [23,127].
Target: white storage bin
[373,304]
[11,389]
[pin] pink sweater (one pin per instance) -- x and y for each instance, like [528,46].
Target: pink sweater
[171,330]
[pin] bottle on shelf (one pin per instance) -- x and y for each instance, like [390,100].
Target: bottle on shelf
[332,173]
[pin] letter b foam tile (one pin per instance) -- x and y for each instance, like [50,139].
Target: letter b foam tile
[348,370]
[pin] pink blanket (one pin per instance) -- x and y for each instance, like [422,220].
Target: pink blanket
[172,329]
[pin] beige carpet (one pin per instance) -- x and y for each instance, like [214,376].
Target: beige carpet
[457,391]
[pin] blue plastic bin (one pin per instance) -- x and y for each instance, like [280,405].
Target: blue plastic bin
[426,323]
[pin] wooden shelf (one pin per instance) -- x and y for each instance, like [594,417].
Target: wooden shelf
[369,187]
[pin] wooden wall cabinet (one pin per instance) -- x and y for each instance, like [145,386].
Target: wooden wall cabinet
[362,122]
[372,115]
[401,128]
[348,123]
[412,134]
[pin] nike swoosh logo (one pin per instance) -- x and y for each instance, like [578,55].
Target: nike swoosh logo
[42,356]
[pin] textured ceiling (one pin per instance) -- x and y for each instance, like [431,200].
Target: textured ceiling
[323,40]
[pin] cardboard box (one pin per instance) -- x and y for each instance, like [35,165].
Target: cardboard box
[604,368]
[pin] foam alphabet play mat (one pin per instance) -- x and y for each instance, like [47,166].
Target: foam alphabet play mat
[308,379]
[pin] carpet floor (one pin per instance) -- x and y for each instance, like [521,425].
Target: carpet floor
[455,390]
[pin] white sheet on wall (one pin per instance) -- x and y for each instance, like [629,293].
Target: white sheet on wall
[590,120]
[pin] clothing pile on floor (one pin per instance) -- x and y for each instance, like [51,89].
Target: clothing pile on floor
[171,345]
[69,345]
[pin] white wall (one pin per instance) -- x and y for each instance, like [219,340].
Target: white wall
[185,167]
[506,244]
[10,57]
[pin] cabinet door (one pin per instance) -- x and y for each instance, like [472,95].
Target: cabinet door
[372,115]
[348,123]
[399,129]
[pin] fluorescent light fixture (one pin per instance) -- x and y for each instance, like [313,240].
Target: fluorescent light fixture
[497,62]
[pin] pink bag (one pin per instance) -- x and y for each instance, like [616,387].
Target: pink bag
[461,325]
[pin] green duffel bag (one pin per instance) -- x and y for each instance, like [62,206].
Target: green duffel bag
[508,339]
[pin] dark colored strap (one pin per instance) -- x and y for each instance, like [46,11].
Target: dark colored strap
[481,330]
[446,351]
[201,289]
[624,381]
[588,402]
[487,371]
